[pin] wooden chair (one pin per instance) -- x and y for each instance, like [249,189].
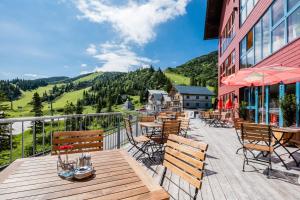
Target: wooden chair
[147,119]
[185,157]
[296,142]
[237,123]
[184,126]
[82,141]
[141,143]
[257,137]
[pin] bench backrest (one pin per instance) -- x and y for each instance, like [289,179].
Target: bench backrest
[185,157]
[82,141]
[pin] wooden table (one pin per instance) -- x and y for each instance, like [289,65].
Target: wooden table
[150,124]
[286,134]
[118,176]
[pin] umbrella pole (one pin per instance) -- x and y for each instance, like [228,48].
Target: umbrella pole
[262,111]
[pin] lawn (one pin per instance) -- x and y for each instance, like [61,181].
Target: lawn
[89,77]
[178,79]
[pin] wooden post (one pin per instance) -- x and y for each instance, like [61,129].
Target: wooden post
[297,103]
[256,105]
[267,104]
[281,96]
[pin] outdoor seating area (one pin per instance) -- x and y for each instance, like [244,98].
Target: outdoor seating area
[168,156]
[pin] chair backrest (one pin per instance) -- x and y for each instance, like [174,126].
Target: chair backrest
[129,132]
[238,123]
[180,115]
[256,132]
[82,141]
[184,123]
[185,157]
[171,127]
[147,119]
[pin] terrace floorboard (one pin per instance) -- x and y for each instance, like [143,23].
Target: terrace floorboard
[224,178]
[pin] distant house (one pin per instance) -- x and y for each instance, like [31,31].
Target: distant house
[191,97]
[157,100]
[128,105]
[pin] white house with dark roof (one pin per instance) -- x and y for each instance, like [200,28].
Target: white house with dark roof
[192,97]
[157,100]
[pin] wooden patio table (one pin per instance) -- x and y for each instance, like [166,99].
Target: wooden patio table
[118,176]
[287,133]
[150,124]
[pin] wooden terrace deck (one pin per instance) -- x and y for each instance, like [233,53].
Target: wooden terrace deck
[224,178]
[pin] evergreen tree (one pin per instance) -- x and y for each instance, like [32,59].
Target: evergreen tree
[37,105]
[99,105]
[4,128]
[69,108]
[79,107]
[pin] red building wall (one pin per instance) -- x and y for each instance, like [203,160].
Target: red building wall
[288,55]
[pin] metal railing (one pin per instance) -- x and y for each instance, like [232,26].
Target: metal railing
[32,136]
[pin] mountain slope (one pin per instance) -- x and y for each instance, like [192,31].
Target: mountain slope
[202,71]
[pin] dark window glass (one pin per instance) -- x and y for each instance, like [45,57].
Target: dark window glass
[277,11]
[257,42]
[187,97]
[206,97]
[197,97]
[266,34]
[292,3]
[278,37]
[294,25]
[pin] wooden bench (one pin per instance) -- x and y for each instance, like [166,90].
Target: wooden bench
[185,157]
[82,141]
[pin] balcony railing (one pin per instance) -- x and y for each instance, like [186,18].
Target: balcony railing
[32,136]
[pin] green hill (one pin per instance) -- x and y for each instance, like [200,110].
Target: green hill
[201,71]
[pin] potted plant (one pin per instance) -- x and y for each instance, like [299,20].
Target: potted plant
[288,107]
[242,110]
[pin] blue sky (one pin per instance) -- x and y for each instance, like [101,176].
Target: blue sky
[43,38]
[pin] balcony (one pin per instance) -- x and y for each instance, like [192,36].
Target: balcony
[223,179]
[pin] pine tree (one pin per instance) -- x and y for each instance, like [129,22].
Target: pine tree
[37,110]
[99,105]
[79,107]
[37,105]
[4,129]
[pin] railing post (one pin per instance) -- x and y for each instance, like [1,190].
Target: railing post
[11,143]
[136,127]
[119,133]
[43,137]
[33,138]
[22,139]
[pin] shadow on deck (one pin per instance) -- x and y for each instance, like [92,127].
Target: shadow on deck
[224,178]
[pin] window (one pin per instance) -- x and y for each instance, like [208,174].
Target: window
[279,25]
[197,105]
[278,37]
[266,34]
[187,104]
[247,52]
[292,4]
[187,97]
[206,97]
[246,6]
[258,42]
[197,97]
[228,66]
[294,25]
[228,33]
[250,40]
[277,11]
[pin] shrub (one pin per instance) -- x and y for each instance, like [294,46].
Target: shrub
[288,106]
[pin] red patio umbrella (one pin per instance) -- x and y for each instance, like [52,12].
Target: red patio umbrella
[228,104]
[261,76]
[220,104]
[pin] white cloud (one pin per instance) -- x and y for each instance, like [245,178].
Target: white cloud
[91,50]
[66,66]
[85,72]
[119,57]
[83,65]
[134,21]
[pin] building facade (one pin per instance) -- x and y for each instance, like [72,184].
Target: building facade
[191,97]
[157,100]
[255,33]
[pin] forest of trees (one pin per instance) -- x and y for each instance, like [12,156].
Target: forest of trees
[113,88]
[202,71]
